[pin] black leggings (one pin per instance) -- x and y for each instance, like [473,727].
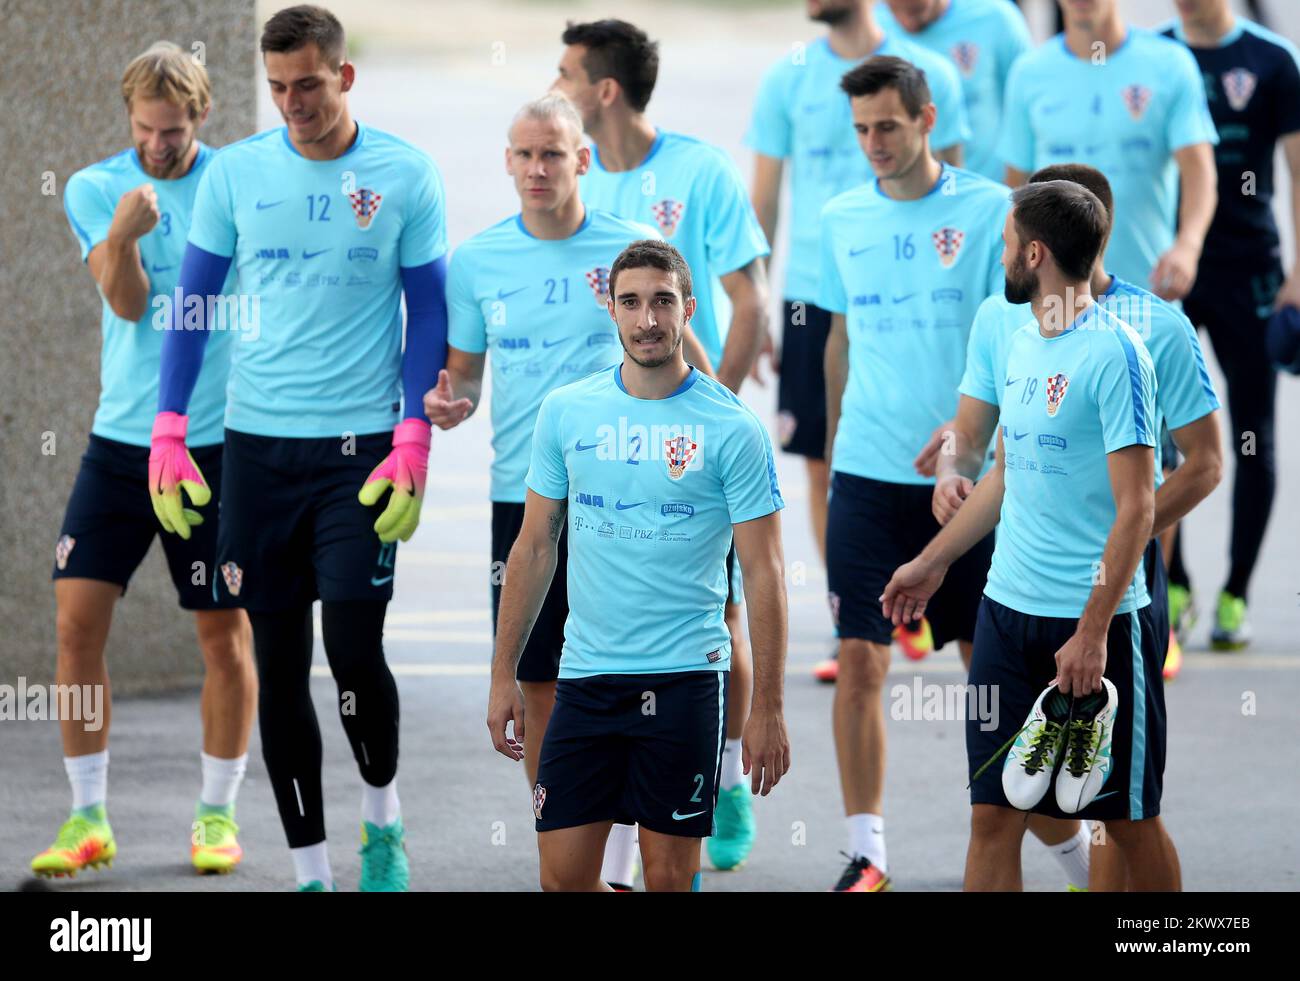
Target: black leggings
[291,745]
[1235,316]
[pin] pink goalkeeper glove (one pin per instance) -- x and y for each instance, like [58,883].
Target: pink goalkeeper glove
[405,471]
[171,468]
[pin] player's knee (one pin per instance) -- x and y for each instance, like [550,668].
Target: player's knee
[669,875]
[557,879]
[862,669]
[989,821]
[1131,834]
[225,644]
[80,636]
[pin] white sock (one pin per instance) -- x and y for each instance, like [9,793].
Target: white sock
[620,855]
[379,805]
[312,864]
[732,775]
[1073,856]
[221,779]
[867,839]
[89,778]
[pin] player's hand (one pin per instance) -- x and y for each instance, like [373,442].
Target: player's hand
[405,470]
[909,589]
[1175,273]
[506,704]
[136,214]
[767,350]
[171,470]
[765,749]
[443,410]
[927,460]
[1289,294]
[950,493]
[1080,664]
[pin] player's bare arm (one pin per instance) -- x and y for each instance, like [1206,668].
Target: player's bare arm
[115,262]
[528,576]
[456,396]
[1175,272]
[765,194]
[1082,660]
[1016,177]
[912,585]
[747,290]
[766,745]
[1289,295]
[1194,478]
[836,366]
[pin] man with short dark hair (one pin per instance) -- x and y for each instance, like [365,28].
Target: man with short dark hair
[654,468]
[1186,404]
[802,119]
[333,223]
[905,261]
[1066,637]
[693,193]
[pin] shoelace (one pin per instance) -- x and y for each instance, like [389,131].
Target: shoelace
[216,827]
[1046,741]
[73,830]
[1079,754]
[851,874]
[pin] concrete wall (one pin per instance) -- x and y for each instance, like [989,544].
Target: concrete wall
[60,109]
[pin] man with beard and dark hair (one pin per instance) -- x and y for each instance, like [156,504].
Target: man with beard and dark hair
[802,119]
[1066,633]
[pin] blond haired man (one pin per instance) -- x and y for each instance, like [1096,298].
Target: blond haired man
[131,214]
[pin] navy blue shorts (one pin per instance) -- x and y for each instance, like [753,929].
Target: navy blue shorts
[1153,566]
[873,527]
[801,386]
[635,749]
[109,524]
[292,529]
[1017,653]
[540,660]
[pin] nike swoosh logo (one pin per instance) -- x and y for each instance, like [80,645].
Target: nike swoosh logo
[553,343]
[1020,435]
[158,269]
[263,205]
[502,294]
[856,252]
[900,299]
[1012,381]
[380,582]
[683,817]
[580,448]
[1109,793]
[620,506]
[313,255]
